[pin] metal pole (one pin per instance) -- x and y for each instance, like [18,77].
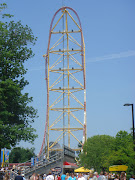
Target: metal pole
[133,133]
[133,125]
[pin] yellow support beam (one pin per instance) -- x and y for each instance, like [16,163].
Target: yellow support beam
[65,65]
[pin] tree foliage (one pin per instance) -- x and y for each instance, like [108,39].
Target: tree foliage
[20,155]
[16,114]
[94,151]
[123,153]
[102,151]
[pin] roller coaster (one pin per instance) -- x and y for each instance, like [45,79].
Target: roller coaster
[66,83]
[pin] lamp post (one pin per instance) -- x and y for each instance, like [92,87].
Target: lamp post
[132,122]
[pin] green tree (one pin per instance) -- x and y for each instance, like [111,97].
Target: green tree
[103,151]
[123,153]
[95,151]
[16,114]
[20,155]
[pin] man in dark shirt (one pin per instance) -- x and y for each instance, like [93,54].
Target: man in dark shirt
[19,177]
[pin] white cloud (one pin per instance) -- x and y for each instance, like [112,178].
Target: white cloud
[125,54]
[112,56]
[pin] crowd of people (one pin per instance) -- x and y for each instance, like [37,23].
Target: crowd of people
[82,176]
[72,176]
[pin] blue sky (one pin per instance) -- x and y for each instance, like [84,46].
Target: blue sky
[109,34]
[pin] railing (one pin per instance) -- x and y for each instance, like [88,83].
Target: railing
[13,174]
[18,166]
[28,170]
[43,163]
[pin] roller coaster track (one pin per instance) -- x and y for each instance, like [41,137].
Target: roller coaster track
[63,53]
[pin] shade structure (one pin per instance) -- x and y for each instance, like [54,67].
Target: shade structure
[118,168]
[69,165]
[81,169]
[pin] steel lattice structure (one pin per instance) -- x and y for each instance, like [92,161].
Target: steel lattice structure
[66,82]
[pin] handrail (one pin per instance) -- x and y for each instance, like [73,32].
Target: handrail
[43,162]
[40,164]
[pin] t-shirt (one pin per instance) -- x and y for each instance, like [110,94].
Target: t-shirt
[81,178]
[86,177]
[50,177]
[63,177]
[59,178]
[70,178]
[101,177]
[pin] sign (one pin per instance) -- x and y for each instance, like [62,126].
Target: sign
[32,161]
[36,160]
[118,168]
[69,152]
[7,156]
[56,170]
[2,157]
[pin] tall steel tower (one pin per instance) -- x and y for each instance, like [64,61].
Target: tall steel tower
[66,83]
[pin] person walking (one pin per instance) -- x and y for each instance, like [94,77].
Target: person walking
[59,178]
[117,177]
[67,176]
[102,176]
[86,176]
[95,176]
[91,176]
[33,177]
[132,177]
[6,177]
[19,177]
[72,177]
[50,176]
[123,176]
[80,177]
[63,176]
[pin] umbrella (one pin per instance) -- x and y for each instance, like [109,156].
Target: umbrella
[82,169]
